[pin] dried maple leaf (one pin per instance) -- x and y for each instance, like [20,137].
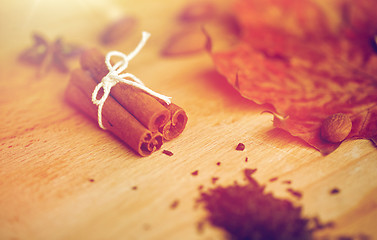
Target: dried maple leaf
[308,61]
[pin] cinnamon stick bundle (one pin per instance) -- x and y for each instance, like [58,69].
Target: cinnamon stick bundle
[137,118]
[114,117]
[170,120]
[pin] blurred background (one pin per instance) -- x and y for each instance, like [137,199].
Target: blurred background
[78,21]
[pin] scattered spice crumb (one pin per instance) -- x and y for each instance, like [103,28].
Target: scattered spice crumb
[273,179]
[218,163]
[91,180]
[334,191]
[214,180]
[174,204]
[295,193]
[167,153]
[240,147]
[27,145]
[134,188]
[146,227]
[195,173]
[200,188]
[247,212]
[200,227]
[10,146]
[287,182]
[246,159]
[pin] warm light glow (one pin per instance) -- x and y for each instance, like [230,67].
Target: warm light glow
[68,18]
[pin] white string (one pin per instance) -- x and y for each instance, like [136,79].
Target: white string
[114,76]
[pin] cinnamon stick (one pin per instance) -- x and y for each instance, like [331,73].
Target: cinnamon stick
[175,126]
[140,104]
[114,117]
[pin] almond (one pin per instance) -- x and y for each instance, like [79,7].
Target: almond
[336,127]
[118,30]
[185,42]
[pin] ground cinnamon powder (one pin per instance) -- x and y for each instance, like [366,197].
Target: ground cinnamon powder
[247,212]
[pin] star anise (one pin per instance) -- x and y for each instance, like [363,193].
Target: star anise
[46,55]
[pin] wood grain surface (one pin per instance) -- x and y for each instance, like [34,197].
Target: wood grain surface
[61,177]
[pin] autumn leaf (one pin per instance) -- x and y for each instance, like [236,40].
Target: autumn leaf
[309,61]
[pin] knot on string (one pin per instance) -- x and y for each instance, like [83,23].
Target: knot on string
[115,76]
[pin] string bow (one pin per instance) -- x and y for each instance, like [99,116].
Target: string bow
[115,76]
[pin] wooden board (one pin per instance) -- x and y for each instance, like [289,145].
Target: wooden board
[61,177]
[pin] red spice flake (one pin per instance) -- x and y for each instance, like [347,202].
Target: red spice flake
[295,193]
[246,159]
[146,227]
[186,42]
[118,30]
[167,153]
[200,187]
[307,62]
[174,204]
[198,12]
[214,180]
[334,191]
[200,227]
[273,179]
[218,163]
[287,182]
[27,145]
[91,180]
[134,188]
[245,212]
[240,147]
[195,173]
